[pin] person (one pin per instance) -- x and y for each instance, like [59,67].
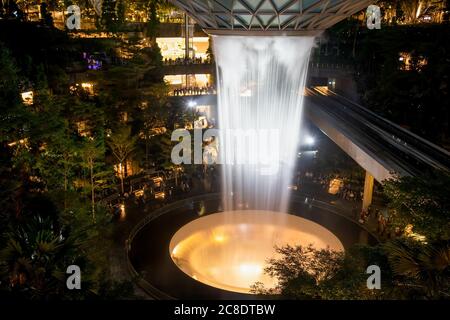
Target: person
[362,216]
[376,213]
[351,195]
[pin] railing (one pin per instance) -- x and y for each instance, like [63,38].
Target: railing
[331,208]
[208,62]
[131,183]
[158,294]
[333,66]
[187,62]
[147,287]
[193,91]
[434,155]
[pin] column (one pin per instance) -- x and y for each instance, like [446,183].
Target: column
[368,190]
[186,36]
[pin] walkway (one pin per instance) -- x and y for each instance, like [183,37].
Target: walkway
[137,211]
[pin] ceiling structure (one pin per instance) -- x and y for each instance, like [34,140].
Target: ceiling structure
[267,17]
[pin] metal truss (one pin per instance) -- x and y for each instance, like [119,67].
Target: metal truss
[269,16]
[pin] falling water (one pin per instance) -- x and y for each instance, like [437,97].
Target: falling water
[260,96]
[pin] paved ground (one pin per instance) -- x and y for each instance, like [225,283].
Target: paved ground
[137,211]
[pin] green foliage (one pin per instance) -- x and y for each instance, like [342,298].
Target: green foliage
[34,260]
[423,268]
[309,273]
[13,116]
[37,249]
[122,144]
[109,15]
[121,12]
[422,202]
[46,14]
[56,166]
[409,270]
[416,96]
[161,148]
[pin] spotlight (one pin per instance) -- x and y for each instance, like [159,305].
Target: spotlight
[309,140]
[192,104]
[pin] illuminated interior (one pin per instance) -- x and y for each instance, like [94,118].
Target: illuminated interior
[174,48]
[27,97]
[190,80]
[229,250]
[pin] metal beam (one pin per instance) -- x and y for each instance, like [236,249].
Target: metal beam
[216,18]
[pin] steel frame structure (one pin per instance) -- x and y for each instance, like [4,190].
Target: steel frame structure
[269,17]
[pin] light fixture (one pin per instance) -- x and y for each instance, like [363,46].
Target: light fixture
[309,140]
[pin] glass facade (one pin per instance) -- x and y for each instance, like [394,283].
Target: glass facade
[270,14]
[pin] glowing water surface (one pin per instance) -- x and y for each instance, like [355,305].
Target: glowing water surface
[229,250]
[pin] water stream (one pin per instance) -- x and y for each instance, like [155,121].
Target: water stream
[260,97]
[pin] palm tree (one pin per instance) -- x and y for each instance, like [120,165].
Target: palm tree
[36,256]
[423,266]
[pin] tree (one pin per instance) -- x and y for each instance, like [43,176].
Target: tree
[154,114]
[161,148]
[153,6]
[303,272]
[121,12]
[109,15]
[35,257]
[46,15]
[58,162]
[122,143]
[422,268]
[413,95]
[36,251]
[92,153]
[14,118]
[320,265]
[12,10]
[15,127]
[422,202]
[153,20]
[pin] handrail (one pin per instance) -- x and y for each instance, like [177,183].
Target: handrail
[425,146]
[326,206]
[158,294]
[146,286]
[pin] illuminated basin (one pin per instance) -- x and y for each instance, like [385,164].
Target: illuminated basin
[229,250]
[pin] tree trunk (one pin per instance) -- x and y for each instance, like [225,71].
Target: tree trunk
[65,187]
[146,152]
[122,176]
[92,191]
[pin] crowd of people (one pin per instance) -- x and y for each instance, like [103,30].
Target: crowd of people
[194,91]
[381,218]
[186,61]
[354,192]
[207,179]
[347,191]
